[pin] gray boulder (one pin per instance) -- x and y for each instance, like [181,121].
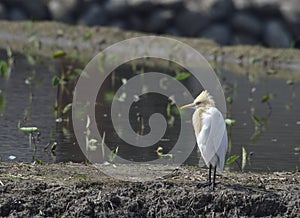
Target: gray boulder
[36,10]
[246,23]
[93,16]
[214,9]
[263,7]
[17,14]
[63,10]
[159,20]
[220,33]
[275,35]
[291,12]
[3,11]
[191,23]
[115,8]
[244,39]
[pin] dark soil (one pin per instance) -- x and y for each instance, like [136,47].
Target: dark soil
[77,190]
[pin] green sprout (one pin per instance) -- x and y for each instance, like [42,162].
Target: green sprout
[159,152]
[232,159]
[182,76]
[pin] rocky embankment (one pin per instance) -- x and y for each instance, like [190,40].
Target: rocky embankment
[271,23]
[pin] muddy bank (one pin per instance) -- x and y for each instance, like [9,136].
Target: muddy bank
[44,38]
[77,190]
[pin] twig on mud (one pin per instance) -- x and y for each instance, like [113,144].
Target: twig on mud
[99,195]
[68,204]
[112,207]
[1,183]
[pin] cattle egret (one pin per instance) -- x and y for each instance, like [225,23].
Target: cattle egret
[211,134]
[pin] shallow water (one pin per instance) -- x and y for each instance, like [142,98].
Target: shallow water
[271,150]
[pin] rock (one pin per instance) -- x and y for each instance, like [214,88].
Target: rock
[94,15]
[220,33]
[172,31]
[141,5]
[10,3]
[159,20]
[291,12]
[37,10]
[214,9]
[246,23]
[170,4]
[3,11]
[118,24]
[264,7]
[275,35]
[146,5]
[63,10]
[116,8]
[190,23]
[135,22]
[221,9]
[244,39]
[17,14]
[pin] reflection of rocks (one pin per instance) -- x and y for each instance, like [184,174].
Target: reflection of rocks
[225,21]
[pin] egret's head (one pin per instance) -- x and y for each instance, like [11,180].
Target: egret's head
[204,99]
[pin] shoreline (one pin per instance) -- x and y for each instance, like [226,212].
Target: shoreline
[44,38]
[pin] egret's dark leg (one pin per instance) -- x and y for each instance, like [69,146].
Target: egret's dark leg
[208,183]
[209,175]
[214,178]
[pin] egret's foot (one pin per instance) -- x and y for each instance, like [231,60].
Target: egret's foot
[214,185]
[203,184]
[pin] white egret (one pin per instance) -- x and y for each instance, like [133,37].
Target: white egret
[211,134]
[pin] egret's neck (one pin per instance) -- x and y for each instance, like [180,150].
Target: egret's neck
[198,115]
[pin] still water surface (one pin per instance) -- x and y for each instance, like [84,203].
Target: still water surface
[272,148]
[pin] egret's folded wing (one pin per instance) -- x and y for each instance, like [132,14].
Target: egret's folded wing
[211,138]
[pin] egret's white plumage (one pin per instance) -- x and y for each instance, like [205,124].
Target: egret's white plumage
[212,139]
[210,131]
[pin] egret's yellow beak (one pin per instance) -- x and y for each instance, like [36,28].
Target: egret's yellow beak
[188,106]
